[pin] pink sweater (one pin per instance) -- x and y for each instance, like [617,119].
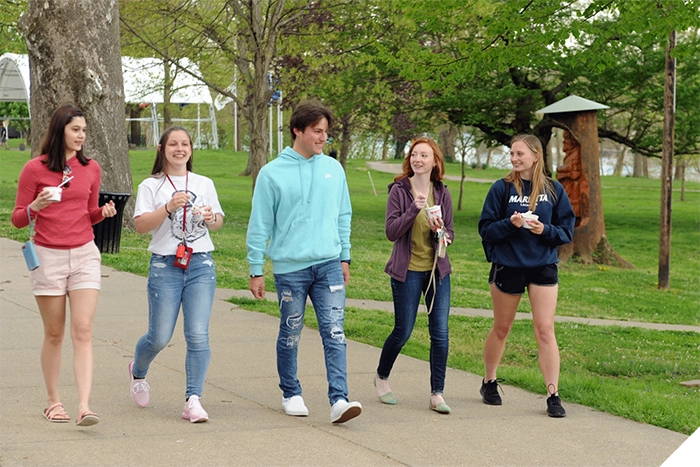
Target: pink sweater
[68,223]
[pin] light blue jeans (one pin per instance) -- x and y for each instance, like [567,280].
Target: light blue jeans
[406,302]
[168,288]
[324,284]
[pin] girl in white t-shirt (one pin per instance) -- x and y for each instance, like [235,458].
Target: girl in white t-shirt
[178,208]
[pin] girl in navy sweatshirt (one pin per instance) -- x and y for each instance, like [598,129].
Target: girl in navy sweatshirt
[522,244]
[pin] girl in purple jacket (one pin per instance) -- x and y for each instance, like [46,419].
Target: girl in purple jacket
[419,264]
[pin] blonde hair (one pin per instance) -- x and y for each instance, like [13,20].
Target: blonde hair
[540,181]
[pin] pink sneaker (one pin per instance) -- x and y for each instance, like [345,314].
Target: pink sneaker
[140,390]
[193,410]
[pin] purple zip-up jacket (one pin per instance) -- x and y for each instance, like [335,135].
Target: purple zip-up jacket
[400,214]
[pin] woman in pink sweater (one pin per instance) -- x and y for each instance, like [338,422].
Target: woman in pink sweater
[69,259]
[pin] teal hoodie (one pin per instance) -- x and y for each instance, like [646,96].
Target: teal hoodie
[301,213]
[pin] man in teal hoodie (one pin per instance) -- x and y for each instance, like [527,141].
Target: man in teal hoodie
[300,219]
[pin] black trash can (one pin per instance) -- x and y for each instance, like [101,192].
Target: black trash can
[108,233]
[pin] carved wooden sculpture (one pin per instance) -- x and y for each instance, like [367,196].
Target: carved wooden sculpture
[570,174]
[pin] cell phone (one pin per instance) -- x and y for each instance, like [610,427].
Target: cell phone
[183,256]
[30,256]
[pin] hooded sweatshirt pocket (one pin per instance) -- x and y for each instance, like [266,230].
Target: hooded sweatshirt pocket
[307,240]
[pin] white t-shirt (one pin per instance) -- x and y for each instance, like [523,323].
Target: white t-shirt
[156,191]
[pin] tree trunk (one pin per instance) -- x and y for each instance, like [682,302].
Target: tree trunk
[345,140]
[239,129]
[461,182]
[640,167]
[448,140]
[385,147]
[590,244]
[168,79]
[256,113]
[135,125]
[75,57]
[679,174]
[399,147]
[620,164]
[679,168]
[490,156]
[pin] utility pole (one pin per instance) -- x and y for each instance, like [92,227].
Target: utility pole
[667,165]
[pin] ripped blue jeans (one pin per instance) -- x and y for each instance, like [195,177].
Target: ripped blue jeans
[170,287]
[323,283]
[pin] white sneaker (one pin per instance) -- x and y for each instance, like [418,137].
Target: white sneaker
[193,410]
[342,411]
[294,406]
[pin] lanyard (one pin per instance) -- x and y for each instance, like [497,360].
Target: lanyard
[184,210]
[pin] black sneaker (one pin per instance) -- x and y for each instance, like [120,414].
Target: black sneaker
[554,408]
[489,392]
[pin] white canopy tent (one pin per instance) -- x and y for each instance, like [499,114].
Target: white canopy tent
[143,84]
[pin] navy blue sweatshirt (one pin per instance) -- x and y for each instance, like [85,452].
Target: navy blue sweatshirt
[519,247]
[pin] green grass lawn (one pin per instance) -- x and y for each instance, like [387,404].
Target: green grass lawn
[630,372]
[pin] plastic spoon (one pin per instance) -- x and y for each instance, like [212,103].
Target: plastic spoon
[65,181]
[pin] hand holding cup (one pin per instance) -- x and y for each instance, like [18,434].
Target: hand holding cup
[529,218]
[434,217]
[55,191]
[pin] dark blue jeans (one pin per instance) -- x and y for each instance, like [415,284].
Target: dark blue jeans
[406,301]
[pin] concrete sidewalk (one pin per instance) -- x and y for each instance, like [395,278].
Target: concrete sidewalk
[248,426]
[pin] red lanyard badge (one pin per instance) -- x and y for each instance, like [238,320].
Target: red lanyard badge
[184,252]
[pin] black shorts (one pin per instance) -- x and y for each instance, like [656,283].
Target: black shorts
[514,280]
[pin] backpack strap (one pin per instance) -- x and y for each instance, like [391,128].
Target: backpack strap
[504,201]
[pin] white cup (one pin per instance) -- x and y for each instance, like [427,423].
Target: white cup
[55,192]
[528,216]
[434,211]
[198,213]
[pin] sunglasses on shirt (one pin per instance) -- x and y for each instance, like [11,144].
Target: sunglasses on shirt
[66,175]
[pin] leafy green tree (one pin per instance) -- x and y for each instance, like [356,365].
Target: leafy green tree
[223,35]
[339,58]
[11,39]
[492,64]
[18,113]
[160,21]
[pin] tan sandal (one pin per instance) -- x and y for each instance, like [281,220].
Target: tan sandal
[56,414]
[87,418]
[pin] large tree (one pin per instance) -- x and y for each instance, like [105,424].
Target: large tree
[492,65]
[223,35]
[158,20]
[74,57]
[340,57]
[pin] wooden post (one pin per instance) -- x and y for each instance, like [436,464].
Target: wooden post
[667,166]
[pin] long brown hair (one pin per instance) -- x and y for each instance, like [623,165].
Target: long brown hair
[159,164]
[54,142]
[438,172]
[540,182]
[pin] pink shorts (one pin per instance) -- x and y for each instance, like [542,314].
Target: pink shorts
[64,270]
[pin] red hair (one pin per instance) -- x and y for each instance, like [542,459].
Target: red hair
[438,172]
